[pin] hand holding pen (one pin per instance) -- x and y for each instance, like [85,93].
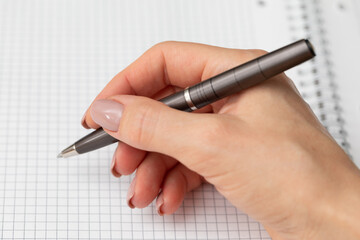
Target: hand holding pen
[262,148]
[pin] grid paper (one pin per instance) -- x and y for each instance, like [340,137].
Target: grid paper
[55,56]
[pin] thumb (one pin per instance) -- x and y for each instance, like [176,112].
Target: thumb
[147,124]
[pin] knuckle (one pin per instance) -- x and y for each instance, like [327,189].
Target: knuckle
[163,45]
[147,125]
[139,125]
[255,53]
[259,52]
[247,55]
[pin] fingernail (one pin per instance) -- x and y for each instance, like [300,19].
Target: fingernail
[107,113]
[83,123]
[159,204]
[112,167]
[130,193]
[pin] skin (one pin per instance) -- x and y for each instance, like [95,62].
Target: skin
[263,149]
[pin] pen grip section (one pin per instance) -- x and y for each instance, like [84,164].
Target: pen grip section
[97,139]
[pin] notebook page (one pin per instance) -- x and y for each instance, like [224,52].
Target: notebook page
[342,26]
[54,58]
[328,82]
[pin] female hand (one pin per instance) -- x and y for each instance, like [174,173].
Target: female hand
[263,148]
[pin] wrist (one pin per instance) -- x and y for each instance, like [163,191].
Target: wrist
[338,212]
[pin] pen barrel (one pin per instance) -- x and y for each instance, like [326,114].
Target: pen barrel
[250,73]
[220,86]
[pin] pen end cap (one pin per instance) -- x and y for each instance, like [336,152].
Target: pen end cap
[60,155]
[311,47]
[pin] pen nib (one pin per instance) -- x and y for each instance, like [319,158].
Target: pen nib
[68,152]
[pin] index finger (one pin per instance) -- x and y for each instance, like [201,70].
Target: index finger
[177,64]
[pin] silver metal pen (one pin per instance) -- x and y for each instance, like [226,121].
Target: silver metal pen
[213,89]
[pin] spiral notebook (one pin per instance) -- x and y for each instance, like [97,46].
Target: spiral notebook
[55,56]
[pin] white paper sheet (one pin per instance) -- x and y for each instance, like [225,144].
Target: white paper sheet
[55,56]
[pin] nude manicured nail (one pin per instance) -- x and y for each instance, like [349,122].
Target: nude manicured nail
[112,167]
[83,123]
[130,193]
[159,204]
[107,113]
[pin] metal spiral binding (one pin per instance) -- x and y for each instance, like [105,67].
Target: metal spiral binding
[316,79]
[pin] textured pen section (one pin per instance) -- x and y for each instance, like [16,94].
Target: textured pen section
[250,73]
[97,139]
[176,101]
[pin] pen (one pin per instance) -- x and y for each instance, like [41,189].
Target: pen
[220,86]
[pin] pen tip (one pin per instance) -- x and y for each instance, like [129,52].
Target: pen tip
[68,152]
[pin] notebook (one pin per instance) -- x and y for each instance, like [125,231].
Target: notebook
[55,56]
